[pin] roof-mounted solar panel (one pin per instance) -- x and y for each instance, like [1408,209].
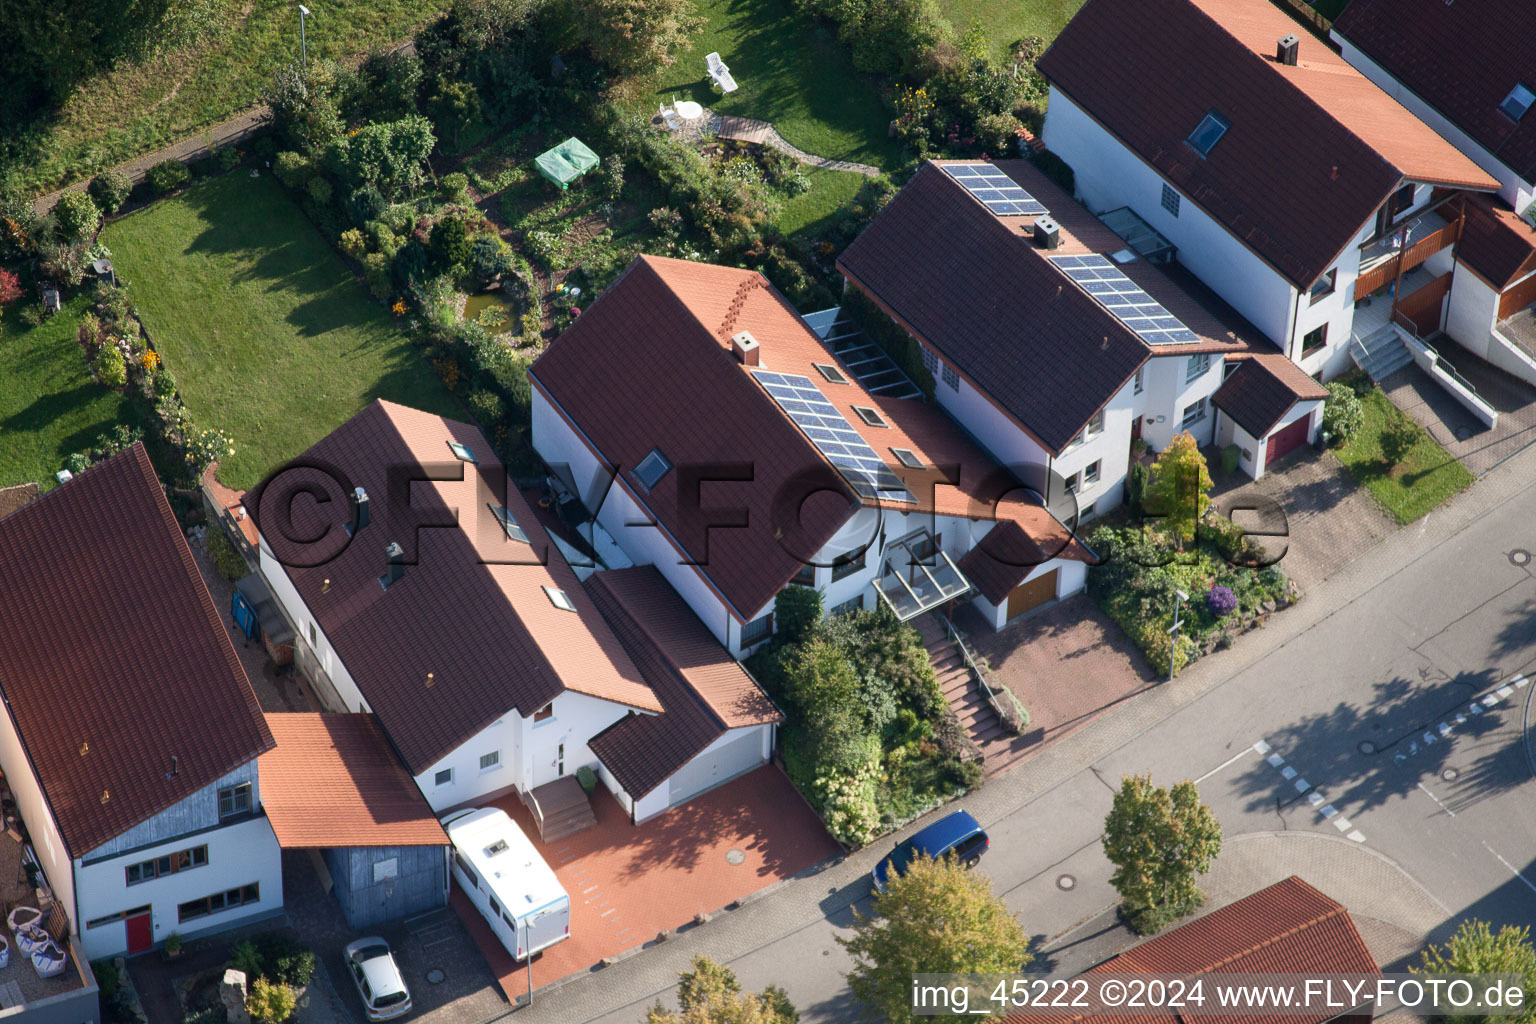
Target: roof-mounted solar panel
[1125,299]
[833,436]
[995,190]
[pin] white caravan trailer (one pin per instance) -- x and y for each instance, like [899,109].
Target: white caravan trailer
[503,874]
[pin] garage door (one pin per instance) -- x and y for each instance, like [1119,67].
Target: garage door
[713,767]
[1287,440]
[1031,594]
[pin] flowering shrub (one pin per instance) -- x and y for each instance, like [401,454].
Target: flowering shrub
[110,367]
[544,246]
[848,804]
[149,360]
[10,287]
[207,446]
[1221,601]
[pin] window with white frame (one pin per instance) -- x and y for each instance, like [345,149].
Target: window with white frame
[234,800]
[1170,199]
[1070,484]
[1095,425]
[1091,472]
[1141,381]
[1196,365]
[490,761]
[1194,414]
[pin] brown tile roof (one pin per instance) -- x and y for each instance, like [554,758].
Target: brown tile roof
[333,780]
[1312,150]
[1288,928]
[1000,561]
[993,307]
[114,659]
[471,609]
[648,366]
[1460,59]
[705,691]
[1496,242]
[1262,390]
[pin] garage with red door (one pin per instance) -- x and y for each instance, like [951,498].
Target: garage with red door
[1266,401]
[1286,440]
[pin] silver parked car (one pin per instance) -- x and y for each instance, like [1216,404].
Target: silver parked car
[378,980]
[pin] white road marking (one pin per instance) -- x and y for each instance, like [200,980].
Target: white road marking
[1328,811]
[1342,823]
[1436,799]
[1233,759]
[1357,837]
[1261,748]
[1519,681]
[1511,867]
[1504,692]
[1275,760]
[1288,772]
[1302,785]
[1314,798]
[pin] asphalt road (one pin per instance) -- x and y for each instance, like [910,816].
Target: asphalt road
[1383,717]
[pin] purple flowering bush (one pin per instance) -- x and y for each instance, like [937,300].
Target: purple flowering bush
[1221,601]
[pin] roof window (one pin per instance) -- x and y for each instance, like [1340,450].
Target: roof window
[907,457]
[514,532]
[461,452]
[1517,102]
[870,416]
[652,468]
[831,373]
[1209,132]
[560,599]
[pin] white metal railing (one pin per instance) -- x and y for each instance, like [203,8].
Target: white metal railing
[976,672]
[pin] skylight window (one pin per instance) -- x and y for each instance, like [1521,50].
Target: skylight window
[1209,132]
[461,452]
[907,457]
[514,532]
[831,373]
[560,599]
[1518,101]
[652,468]
[870,416]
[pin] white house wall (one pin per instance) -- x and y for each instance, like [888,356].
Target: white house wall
[47,841]
[1071,576]
[238,855]
[1515,191]
[305,626]
[1109,176]
[658,800]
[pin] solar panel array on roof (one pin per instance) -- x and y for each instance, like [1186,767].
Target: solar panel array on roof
[833,436]
[997,192]
[1124,298]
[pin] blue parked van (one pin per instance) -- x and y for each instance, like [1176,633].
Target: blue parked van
[959,834]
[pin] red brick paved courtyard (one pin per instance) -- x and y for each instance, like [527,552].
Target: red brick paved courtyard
[629,882]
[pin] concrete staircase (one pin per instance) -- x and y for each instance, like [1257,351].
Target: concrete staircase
[962,689]
[560,808]
[1380,353]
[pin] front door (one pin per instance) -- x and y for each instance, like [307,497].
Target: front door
[141,932]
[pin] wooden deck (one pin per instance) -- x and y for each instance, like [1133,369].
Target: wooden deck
[744,129]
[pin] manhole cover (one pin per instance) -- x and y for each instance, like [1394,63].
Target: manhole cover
[1367,747]
[436,976]
[734,857]
[1450,774]
[1066,883]
[1520,556]
[826,952]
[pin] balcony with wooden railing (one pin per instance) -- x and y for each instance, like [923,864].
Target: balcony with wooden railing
[1383,259]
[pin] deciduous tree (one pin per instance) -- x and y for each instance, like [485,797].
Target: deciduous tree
[1178,489]
[710,994]
[1478,949]
[1161,841]
[631,35]
[935,918]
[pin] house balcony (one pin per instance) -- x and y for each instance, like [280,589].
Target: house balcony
[1406,246]
[917,578]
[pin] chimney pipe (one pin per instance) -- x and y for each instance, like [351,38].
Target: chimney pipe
[359,510]
[745,348]
[394,558]
[1287,50]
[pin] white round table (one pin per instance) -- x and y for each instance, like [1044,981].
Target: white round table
[688,110]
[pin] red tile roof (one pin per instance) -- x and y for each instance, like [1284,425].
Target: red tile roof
[114,660]
[648,366]
[993,307]
[1288,928]
[333,780]
[1460,59]
[705,691]
[1496,242]
[468,632]
[1262,389]
[1312,150]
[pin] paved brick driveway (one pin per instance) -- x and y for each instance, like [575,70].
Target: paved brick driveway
[628,882]
[1067,663]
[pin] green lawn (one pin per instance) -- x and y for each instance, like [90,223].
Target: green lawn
[141,106]
[814,210]
[269,336]
[50,407]
[1427,475]
[1007,21]
[790,71]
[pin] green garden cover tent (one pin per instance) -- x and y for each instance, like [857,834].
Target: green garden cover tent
[566,162]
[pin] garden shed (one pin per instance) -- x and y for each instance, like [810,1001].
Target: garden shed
[334,785]
[566,162]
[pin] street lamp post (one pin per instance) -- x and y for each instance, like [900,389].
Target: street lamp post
[303,45]
[1179,597]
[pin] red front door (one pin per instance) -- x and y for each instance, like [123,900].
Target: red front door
[1287,439]
[140,933]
